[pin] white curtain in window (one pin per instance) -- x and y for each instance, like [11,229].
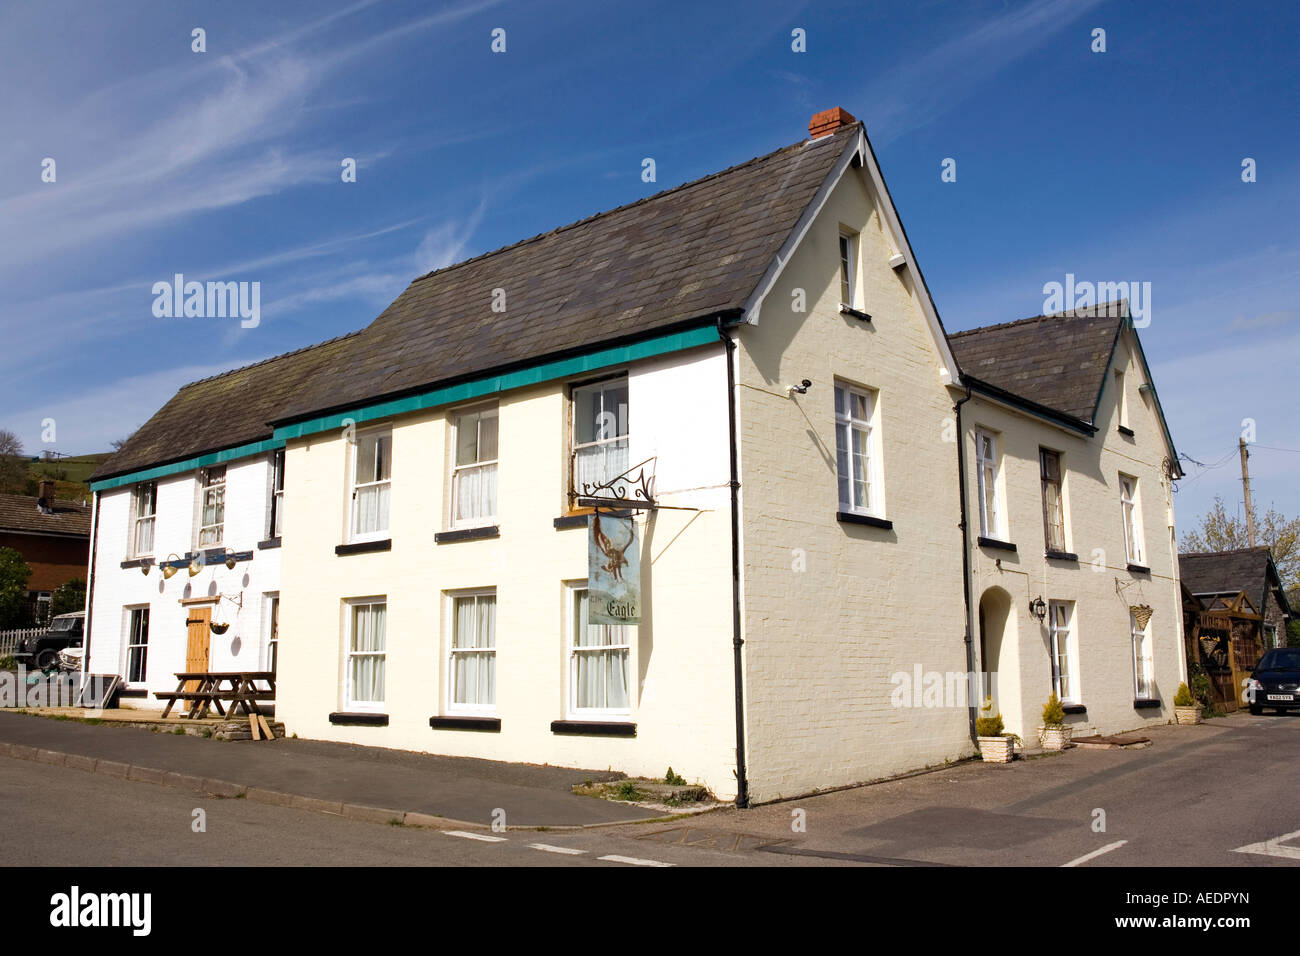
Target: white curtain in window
[600,677]
[476,492]
[474,651]
[597,464]
[372,509]
[367,657]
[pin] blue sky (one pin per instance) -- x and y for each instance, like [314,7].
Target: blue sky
[1123,165]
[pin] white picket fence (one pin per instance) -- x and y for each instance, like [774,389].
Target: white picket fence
[9,639]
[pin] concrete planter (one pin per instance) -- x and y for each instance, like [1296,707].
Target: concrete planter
[1055,738]
[997,749]
[1187,715]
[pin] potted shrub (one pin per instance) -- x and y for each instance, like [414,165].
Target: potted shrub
[1054,734]
[995,746]
[1187,710]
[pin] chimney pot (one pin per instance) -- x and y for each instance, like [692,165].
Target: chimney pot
[46,495]
[828,121]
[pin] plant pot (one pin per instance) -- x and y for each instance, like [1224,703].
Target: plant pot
[1188,715]
[996,749]
[1056,737]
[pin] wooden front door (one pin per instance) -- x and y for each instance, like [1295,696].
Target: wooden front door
[198,644]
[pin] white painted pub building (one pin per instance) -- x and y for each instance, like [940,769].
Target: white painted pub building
[748,366]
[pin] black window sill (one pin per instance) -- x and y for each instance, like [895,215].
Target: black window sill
[489,724]
[570,521]
[1062,556]
[872,521]
[467,534]
[1145,703]
[138,563]
[269,543]
[855,313]
[365,547]
[1125,430]
[360,720]
[1075,709]
[593,728]
[1138,568]
[996,544]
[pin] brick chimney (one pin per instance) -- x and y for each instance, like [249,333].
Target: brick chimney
[45,501]
[828,121]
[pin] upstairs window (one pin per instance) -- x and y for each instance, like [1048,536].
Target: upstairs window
[146,507]
[1121,399]
[849,270]
[855,453]
[986,455]
[277,494]
[371,481]
[212,506]
[1132,519]
[474,467]
[1049,463]
[600,433]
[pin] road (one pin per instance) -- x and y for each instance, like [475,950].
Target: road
[1196,797]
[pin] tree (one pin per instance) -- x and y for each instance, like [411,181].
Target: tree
[1220,531]
[13,466]
[14,574]
[68,597]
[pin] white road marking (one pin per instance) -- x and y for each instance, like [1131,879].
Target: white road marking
[633,861]
[1274,847]
[475,836]
[547,848]
[1096,853]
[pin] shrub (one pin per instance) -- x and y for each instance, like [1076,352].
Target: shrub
[1053,712]
[673,779]
[1184,696]
[990,723]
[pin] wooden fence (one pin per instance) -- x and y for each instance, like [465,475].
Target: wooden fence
[9,639]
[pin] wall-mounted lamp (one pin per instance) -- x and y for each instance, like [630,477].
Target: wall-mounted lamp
[145,565]
[230,558]
[801,388]
[195,566]
[1038,608]
[168,568]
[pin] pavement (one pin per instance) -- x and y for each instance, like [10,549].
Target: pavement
[366,783]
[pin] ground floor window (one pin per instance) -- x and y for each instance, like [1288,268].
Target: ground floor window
[1144,671]
[472,664]
[599,656]
[272,630]
[137,645]
[1065,651]
[364,667]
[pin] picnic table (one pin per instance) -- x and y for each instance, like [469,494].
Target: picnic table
[209,689]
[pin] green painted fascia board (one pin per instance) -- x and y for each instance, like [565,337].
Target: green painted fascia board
[492,384]
[189,464]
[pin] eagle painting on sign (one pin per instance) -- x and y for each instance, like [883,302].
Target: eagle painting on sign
[613,571]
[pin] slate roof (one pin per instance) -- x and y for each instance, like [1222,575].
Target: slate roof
[1058,362]
[226,410]
[1226,572]
[19,513]
[683,254]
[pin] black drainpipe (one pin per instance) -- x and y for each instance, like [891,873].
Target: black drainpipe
[90,589]
[965,561]
[742,781]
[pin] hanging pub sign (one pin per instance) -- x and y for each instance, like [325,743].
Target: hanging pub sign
[613,571]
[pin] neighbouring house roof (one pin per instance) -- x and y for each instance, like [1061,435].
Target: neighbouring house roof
[685,254]
[1230,572]
[19,513]
[1056,361]
[225,410]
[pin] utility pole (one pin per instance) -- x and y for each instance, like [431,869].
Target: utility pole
[1245,485]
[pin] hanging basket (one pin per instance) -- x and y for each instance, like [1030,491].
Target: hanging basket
[218,628]
[1141,614]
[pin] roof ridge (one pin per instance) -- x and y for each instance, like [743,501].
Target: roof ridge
[1097,314]
[272,358]
[1210,554]
[632,205]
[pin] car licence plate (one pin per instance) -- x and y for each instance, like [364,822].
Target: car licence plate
[1281,696]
